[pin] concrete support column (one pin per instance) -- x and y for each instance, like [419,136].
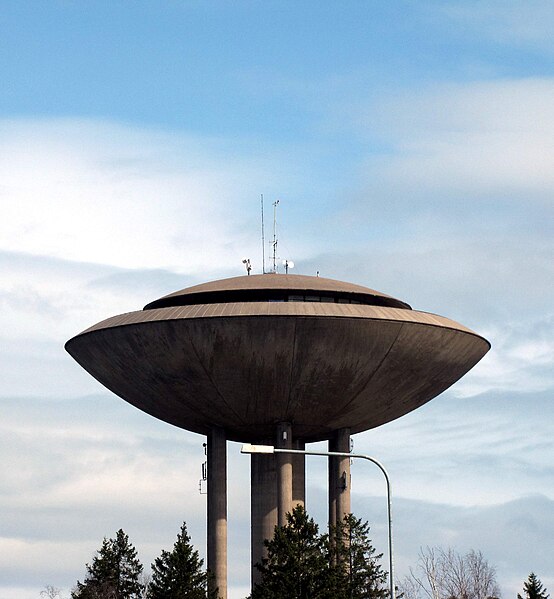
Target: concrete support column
[263,506]
[343,471]
[284,472]
[273,486]
[217,510]
[298,476]
[333,468]
[339,477]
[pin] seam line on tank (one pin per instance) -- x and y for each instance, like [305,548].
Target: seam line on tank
[201,362]
[292,366]
[345,406]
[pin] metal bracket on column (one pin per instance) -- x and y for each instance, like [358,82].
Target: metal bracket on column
[343,483]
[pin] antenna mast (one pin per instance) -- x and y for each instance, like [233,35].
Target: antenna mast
[275,204]
[263,237]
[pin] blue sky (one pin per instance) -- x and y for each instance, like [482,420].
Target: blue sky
[411,146]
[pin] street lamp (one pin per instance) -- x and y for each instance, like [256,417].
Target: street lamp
[248,448]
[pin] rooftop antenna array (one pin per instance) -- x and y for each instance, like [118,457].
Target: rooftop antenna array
[286,263]
[275,204]
[263,236]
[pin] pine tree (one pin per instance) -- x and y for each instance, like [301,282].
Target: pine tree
[297,564]
[178,574]
[114,573]
[303,564]
[361,574]
[533,588]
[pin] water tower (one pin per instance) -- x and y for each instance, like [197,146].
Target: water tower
[277,359]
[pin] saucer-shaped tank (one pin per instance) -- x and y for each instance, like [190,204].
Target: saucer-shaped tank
[248,352]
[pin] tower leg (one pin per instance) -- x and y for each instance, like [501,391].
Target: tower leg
[332,465]
[217,510]
[263,506]
[284,472]
[273,487]
[298,476]
[339,477]
[343,496]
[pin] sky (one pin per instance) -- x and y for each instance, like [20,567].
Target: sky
[411,146]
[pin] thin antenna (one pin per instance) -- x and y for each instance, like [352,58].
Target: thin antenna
[202,482]
[263,237]
[275,204]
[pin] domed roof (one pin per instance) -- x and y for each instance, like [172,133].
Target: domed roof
[276,287]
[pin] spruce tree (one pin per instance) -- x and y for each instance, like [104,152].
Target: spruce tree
[361,574]
[178,574]
[114,573]
[298,562]
[303,564]
[533,588]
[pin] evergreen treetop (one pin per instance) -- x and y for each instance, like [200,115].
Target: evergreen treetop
[303,564]
[533,588]
[178,574]
[362,574]
[114,572]
[297,562]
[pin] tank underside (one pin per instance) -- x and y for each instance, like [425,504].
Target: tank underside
[247,366]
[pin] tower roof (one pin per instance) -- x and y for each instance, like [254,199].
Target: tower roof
[276,287]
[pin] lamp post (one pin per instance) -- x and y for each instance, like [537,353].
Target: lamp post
[248,448]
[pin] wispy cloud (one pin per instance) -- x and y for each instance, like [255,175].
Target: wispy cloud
[482,150]
[453,448]
[121,196]
[522,360]
[75,470]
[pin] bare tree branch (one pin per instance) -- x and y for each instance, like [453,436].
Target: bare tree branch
[447,574]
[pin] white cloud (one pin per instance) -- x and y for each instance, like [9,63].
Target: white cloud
[476,149]
[50,559]
[453,450]
[521,360]
[76,470]
[104,193]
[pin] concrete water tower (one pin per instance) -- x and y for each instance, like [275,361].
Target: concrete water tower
[276,359]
